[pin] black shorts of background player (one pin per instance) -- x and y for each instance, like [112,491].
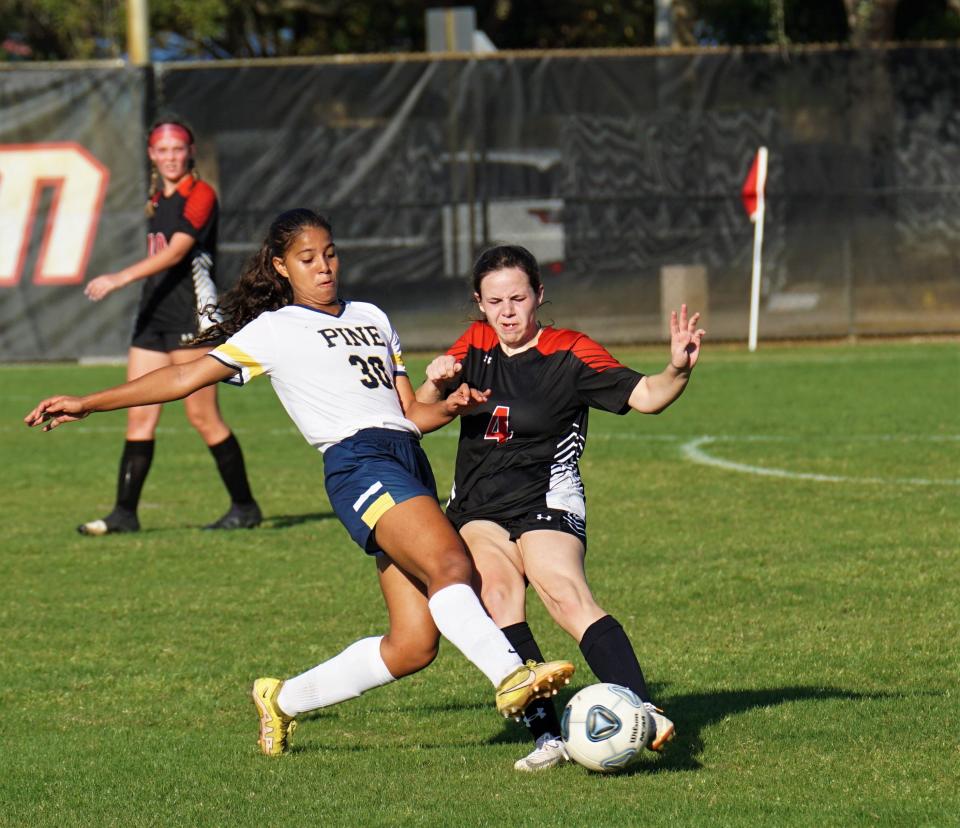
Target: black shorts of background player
[518,500]
[177,278]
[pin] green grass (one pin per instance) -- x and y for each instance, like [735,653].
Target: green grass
[803,633]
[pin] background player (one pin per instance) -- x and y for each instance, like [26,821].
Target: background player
[179,285]
[517,498]
[338,370]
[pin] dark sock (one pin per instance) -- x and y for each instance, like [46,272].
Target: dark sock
[134,465]
[540,715]
[610,655]
[232,470]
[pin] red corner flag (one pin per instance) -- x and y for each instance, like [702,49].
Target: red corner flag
[755,185]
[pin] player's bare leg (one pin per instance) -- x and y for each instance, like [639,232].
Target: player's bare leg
[409,646]
[413,640]
[499,571]
[553,562]
[203,413]
[502,588]
[420,540]
[137,453]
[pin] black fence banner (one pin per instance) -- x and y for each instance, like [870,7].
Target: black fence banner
[72,190]
[620,170]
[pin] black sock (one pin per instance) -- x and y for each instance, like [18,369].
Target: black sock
[540,715]
[610,655]
[134,465]
[232,470]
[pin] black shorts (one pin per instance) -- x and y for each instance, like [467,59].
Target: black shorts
[556,519]
[151,339]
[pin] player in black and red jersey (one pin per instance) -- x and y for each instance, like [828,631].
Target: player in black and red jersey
[177,276]
[518,499]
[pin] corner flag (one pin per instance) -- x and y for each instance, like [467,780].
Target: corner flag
[752,193]
[755,185]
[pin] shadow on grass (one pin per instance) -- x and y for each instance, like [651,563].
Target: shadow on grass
[269,522]
[452,707]
[286,521]
[423,742]
[693,713]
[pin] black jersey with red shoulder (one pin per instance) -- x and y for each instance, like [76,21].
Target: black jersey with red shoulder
[172,299]
[520,451]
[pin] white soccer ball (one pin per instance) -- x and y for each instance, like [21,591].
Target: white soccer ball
[605,726]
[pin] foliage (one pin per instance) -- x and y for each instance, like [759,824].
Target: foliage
[517,24]
[750,22]
[61,29]
[237,28]
[65,29]
[927,20]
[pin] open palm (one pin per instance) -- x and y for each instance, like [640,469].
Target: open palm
[685,339]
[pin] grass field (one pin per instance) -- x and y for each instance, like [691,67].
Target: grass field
[783,547]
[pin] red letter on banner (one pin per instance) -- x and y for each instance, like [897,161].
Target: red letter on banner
[79,183]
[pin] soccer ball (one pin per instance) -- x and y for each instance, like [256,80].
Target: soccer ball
[605,726]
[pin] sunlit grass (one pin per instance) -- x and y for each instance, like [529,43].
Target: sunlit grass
[800,631]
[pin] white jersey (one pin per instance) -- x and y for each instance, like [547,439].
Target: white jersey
[334,374]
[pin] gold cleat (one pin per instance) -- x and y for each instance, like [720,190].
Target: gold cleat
[276,726]
[531,681]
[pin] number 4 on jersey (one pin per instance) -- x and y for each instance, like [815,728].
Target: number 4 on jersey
[499,426]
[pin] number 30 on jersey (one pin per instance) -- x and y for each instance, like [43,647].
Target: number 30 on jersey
[499,426]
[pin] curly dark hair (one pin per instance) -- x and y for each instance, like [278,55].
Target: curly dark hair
[260,288]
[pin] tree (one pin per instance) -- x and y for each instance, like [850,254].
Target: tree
[880,21]
[870,21]
[571,24]
[204,29]
[63,29]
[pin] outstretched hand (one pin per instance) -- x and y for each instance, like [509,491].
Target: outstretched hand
[464,399]
[54,411]
[685,339]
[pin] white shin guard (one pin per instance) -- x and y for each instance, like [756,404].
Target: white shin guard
[461,619]
[345,676]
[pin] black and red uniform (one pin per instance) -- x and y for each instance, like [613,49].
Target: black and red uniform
[519,452]
[171,301]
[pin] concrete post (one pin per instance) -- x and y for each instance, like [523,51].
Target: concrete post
[682,284]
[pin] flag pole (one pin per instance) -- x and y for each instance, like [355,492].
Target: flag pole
[758,218]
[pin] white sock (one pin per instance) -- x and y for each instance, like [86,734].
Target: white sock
[461,619]
[345,676]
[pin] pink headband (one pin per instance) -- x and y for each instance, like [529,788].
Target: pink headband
[175,131]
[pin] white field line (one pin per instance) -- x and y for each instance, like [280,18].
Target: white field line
[691,450]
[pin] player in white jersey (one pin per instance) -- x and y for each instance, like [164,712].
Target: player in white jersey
[333,373]
[338,369]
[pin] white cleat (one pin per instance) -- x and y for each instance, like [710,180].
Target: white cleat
[663,730]
[548,753]
[93,527]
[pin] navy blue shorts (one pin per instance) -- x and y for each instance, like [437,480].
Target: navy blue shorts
[371,471]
